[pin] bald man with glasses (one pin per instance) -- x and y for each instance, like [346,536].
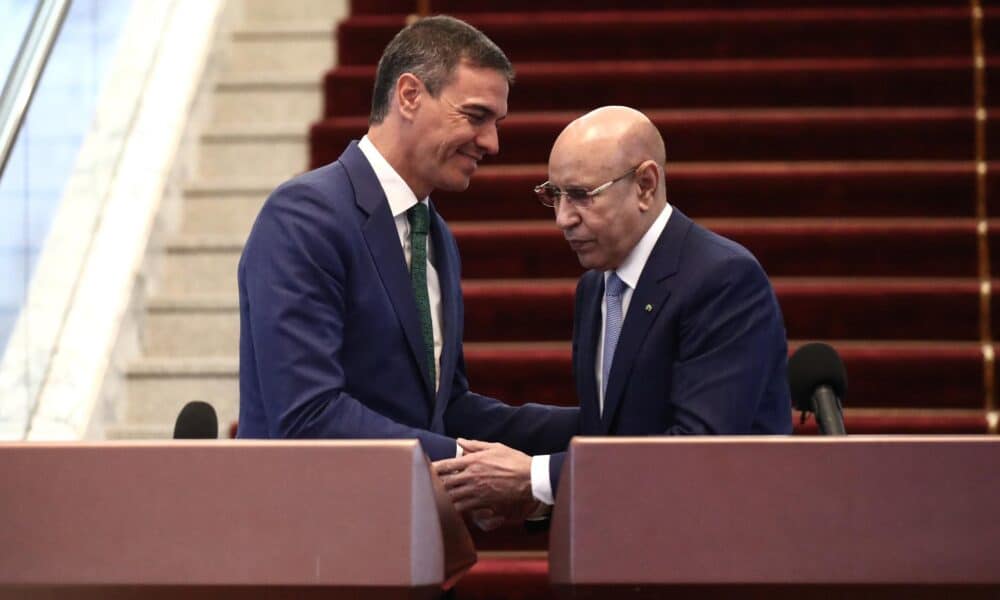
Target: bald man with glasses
[676,331]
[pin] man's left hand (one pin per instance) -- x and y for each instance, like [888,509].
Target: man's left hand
[489,475]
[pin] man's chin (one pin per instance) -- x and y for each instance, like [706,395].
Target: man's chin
[455,184]
[584,261]
[589,261]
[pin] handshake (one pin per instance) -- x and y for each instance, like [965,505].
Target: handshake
[490,483]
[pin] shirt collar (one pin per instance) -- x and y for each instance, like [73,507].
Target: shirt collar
[401,198]
[631,268]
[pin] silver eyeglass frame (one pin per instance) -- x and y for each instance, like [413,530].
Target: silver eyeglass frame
[586,200]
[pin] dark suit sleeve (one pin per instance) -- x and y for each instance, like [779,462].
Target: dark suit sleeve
[731,338]
[294,278]
[587,281]
[531,428]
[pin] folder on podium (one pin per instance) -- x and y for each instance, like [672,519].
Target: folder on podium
[712,516]
[217,519]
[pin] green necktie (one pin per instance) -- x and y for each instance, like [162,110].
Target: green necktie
[419,217]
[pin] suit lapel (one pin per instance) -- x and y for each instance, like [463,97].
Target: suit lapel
[450,293]
[590,324]
[383,243]
[651,293]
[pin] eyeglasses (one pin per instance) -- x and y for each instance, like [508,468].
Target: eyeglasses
[550,195]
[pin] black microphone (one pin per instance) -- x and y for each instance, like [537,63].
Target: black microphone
[818,381]
[196,421]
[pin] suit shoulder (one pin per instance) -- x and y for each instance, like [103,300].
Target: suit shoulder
[328,184]
[323,197]
[314,211]
[715,260]
[706,244]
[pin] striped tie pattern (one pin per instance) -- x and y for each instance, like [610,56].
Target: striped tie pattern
[419,217]
[612,325]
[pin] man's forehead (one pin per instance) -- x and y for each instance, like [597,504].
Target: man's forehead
[479,87]
[573,152]
[571,167]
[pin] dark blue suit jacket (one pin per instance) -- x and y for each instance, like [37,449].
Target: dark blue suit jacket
[702,349]
[330,343]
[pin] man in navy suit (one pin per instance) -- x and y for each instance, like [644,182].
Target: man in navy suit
[351,308]
[676,329]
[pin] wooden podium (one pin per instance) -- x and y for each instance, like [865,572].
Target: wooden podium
[218,519]
[899,516]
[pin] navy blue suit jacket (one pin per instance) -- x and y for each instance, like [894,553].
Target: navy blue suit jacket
[702,349]
[330,343]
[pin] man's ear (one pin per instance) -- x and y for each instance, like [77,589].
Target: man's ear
[647,176]
[409,93]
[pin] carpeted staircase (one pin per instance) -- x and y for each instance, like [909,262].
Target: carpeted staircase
[838,141]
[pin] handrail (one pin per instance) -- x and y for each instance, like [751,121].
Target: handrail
[31,59]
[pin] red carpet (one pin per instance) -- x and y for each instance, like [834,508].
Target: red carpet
[670,34]
[738,134]
[836,140]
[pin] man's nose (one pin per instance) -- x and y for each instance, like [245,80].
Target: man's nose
[566,214]
[489,140]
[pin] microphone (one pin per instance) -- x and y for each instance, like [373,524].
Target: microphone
[196,421]
[817,380]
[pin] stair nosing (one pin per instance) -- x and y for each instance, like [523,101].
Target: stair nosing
[284,29]
[276,81]
[685,16]
[710,65]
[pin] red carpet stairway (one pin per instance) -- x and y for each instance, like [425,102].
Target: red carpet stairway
[838,141]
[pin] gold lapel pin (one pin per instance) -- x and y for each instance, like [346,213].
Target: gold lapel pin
[649,308]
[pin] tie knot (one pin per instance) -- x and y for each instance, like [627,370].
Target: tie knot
[418,216]
[615,286]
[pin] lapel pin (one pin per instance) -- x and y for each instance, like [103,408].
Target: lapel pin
[649,308]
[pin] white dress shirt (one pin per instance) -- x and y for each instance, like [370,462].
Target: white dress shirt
[629,272]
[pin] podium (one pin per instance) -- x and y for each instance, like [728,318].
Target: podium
[226,519]
[898,516]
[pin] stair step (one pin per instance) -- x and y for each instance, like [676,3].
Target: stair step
[705,83]
[228,185]
[269,150]
[201,265]
[192,326]
[785,247]
[224,206]
[910,387]
[265,12]
[738,134]
[157,389]
[756,189]
[860,421]
[206,264]
[818,308]
[636,35]
[229,215]
[518,577]
[266,98]
[228,206]
[406,7]
[887,373]
[282,45]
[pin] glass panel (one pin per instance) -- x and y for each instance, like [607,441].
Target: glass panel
[14,18]
[44,155]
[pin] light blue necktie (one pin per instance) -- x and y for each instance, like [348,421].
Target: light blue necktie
[612,325]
